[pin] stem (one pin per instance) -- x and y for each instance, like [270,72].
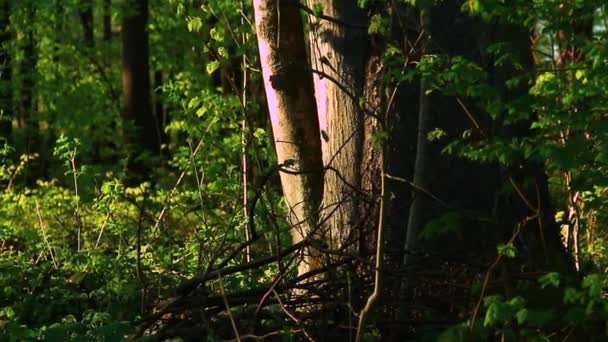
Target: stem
[77,209]
[244,143]
[373,298]
[44,237]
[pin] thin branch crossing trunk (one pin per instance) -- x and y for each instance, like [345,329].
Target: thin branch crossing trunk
[291,104]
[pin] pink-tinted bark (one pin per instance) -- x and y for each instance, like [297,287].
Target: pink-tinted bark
[291,104]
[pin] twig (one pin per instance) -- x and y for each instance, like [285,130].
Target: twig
[491,268]
[373,298]
[44,237]
[291,316]
[232,322]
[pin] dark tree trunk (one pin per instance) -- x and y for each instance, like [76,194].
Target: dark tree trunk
[159,107]
[107,20]
[482,199]
[475,190]
[86,19]
[140,129]
[6,94]
[27,119]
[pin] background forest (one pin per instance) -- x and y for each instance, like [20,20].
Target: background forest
[303,170]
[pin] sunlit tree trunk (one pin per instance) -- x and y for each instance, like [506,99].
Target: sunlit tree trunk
[570,42]
[291,104]
[337,49]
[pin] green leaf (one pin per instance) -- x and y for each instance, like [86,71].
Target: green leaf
[377,25]
[448,223]
[194,24]
[362,102]
[550,279]
[507,250]
[212,66]
[201,111]
[572,296]
[435,134]
[575,315]
[317,9]
[216,35]
[181,9]
[536,317]
[474,6]
[594,285]
[522,316]
[194,102]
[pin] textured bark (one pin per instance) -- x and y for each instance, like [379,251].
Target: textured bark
[337,50]
[370,171]
[291,104]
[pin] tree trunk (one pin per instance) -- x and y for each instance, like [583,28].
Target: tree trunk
[141,135]
[290,98]
[27,119]
[86,19]
[6,93]
[107,20]
[337,49]
[422,164]
[159,106]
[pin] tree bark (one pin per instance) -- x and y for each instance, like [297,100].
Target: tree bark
[337,49]
[140,134]
[291,104]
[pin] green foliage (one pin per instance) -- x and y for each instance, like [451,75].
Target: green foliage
[82,255]
[507,250]
[451,222]
[378,25]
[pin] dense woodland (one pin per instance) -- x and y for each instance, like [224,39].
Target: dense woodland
[317,170]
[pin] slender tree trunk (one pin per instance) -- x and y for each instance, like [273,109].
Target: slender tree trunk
[291,103]
[86,19]
[6,93]
[570,51]
[422,164]
[141,134]
[422,170]
[337,49]
[27,119]
[159,107]
[107,20]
